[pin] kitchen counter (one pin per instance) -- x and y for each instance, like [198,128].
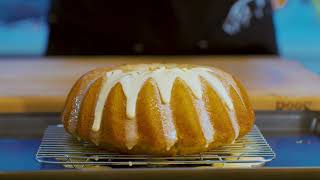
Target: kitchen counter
[41,85]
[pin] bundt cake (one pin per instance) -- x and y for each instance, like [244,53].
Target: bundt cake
[158,109]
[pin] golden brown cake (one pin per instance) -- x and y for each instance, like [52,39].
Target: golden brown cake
[158,109]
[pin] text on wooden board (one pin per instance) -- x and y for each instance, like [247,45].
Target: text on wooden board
[293,105]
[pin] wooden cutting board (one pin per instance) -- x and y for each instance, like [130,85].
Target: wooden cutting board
[41,85]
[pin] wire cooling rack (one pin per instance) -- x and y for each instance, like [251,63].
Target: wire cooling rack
[58,147]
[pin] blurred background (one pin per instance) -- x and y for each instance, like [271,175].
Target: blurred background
[297,29]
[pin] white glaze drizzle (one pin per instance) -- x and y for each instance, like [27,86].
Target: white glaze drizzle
[131,85]
[165,79]
[223,93]
[131,133]
[107,85]
[169,129]
[133,81]
[205,123]
[230,81]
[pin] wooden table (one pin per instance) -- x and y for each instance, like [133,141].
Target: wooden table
[41,85]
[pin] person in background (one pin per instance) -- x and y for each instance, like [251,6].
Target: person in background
[161,27]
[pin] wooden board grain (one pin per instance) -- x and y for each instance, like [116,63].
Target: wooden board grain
[41,85]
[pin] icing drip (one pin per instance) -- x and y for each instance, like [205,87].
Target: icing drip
[131,85]
[230,81]
[205,122]
[131,133]
[165,79]
[168,127]
[112,78]
[223,93]
[133,81]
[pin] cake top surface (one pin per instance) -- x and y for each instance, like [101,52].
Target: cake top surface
[132,78]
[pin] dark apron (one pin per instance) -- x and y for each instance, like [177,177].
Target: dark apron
[120,27]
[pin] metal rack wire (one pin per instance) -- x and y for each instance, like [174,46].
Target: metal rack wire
[58,147]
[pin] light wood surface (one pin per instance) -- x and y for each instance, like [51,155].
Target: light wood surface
[41,85]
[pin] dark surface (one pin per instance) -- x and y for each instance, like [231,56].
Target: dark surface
[295,150]
[18,155]
[291,150]
[290,134]
[166,173]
